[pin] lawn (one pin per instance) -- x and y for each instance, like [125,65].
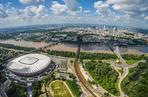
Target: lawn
[131,62]
[59,89]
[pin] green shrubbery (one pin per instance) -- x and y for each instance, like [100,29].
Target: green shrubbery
[36,88]
[83,55]
[132,57]
[61,53]
[75,88]
[10,46]
[17,91]
[104,75]
[2,78]
[136,83]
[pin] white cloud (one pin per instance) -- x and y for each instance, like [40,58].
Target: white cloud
[3,14]
[28,12]
[35,11]
[58,8]
[38,2]
[68,8]
[72,5]
[42,11]
[12,12]
[129,7]
[146,17]
[26,1]
[101,7]
[34,2]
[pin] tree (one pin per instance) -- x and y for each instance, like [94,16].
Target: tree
[71,61]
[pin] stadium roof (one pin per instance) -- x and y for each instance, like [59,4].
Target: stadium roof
[29,64]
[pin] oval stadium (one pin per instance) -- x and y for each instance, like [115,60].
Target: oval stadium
[29,65]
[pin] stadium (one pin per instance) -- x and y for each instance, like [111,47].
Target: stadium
[29,65]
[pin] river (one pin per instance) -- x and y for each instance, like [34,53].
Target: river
[92,47]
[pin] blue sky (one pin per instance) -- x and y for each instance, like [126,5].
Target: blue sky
[132,13]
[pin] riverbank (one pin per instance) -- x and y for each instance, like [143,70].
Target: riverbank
[24,43]
[73,47]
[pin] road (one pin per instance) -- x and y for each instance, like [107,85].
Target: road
[124,74]
[125,67]
[130,66]
[117,52]
[29,89]
[2,93]
[121,77]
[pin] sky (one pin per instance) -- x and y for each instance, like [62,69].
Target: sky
[132,13]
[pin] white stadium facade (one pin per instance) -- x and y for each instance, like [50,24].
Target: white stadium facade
[29,68]
[29,65]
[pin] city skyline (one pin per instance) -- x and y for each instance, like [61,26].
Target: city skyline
[132,13]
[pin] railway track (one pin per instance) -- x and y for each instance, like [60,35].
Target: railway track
[80,75]
[83,80]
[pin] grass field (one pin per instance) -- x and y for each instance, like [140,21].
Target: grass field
[59,89]
[131,62]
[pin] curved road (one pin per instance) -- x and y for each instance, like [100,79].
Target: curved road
[121,77]
[125,71]
[125,67]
